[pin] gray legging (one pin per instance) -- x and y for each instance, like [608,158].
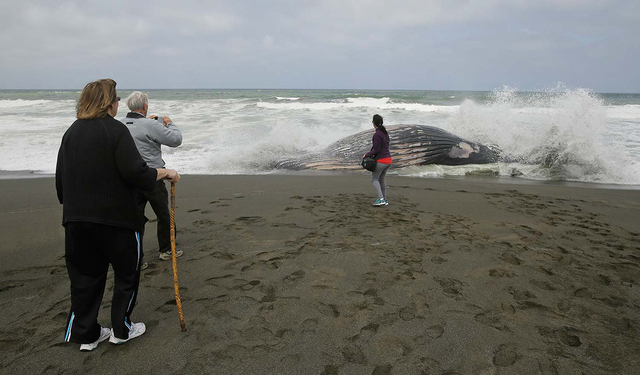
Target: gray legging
[377,180]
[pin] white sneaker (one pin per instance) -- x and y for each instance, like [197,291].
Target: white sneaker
[137,329]
[104,334]
[167,255]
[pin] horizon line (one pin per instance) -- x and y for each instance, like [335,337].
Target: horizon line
[315,89]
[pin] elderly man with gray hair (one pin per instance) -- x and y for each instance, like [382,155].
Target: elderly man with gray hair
[149,135]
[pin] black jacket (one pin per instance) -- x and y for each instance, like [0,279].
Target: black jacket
[98,172]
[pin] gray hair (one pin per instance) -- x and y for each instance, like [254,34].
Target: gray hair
[137,100]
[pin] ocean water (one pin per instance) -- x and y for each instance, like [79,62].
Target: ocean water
[556,135]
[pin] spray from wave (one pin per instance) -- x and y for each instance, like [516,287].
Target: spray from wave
[559,134]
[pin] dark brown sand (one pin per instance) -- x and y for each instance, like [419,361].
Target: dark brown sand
[301,275]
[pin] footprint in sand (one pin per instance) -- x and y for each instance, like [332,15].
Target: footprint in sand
[545,271]
[309,325]
[568,339]
[353,354]
[61,316]
[492,319]
[290,361]
[449,286]
[614,301]
[438,260]
[531,230]
[577,232]
[330,310]
[248,286]
[434,331]
[215,279]
[505,356]
[250,219]
[295,276]
[223,255]
[522,295]
[544,285]
[583,293]
[563,335]
[203,223]
[371,293]
[330,370]
[269,291]
[167,307]
[370,329]
[564,306]
[511,259]
[501,272]
[408,313]
[152,272]
[382,370]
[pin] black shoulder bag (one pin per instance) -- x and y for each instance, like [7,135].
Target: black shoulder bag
[369,163]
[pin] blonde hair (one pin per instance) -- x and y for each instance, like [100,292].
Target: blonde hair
[95,99]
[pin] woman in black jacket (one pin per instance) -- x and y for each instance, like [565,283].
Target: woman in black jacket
[98,173]
[380,151]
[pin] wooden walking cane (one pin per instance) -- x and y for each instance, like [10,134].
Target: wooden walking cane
[173,256]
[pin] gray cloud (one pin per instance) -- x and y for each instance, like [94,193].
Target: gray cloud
[436,44]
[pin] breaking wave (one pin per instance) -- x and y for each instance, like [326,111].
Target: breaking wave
[558,134]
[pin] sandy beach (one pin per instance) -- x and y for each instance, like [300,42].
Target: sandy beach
[287,274]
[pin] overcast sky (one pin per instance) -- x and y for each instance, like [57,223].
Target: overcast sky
[317,44]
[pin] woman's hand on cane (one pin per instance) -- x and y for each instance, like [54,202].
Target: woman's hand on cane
[172,175]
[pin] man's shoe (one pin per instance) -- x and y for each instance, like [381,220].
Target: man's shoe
[167,255]
[379,202]
[104,334]
[144,266]
[137,329]
[386,202]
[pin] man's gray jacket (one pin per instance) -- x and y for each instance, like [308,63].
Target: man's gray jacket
[149,135]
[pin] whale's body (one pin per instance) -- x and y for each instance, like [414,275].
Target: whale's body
[409,145]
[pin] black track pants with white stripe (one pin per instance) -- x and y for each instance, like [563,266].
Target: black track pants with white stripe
[89,249]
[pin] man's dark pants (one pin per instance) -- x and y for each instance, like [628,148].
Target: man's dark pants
[159,200]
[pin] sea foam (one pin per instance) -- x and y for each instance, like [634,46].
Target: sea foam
[567,135]
[558,134]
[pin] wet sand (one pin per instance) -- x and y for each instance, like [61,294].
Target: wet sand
[301,275]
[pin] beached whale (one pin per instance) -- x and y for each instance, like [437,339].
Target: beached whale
[410,145]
